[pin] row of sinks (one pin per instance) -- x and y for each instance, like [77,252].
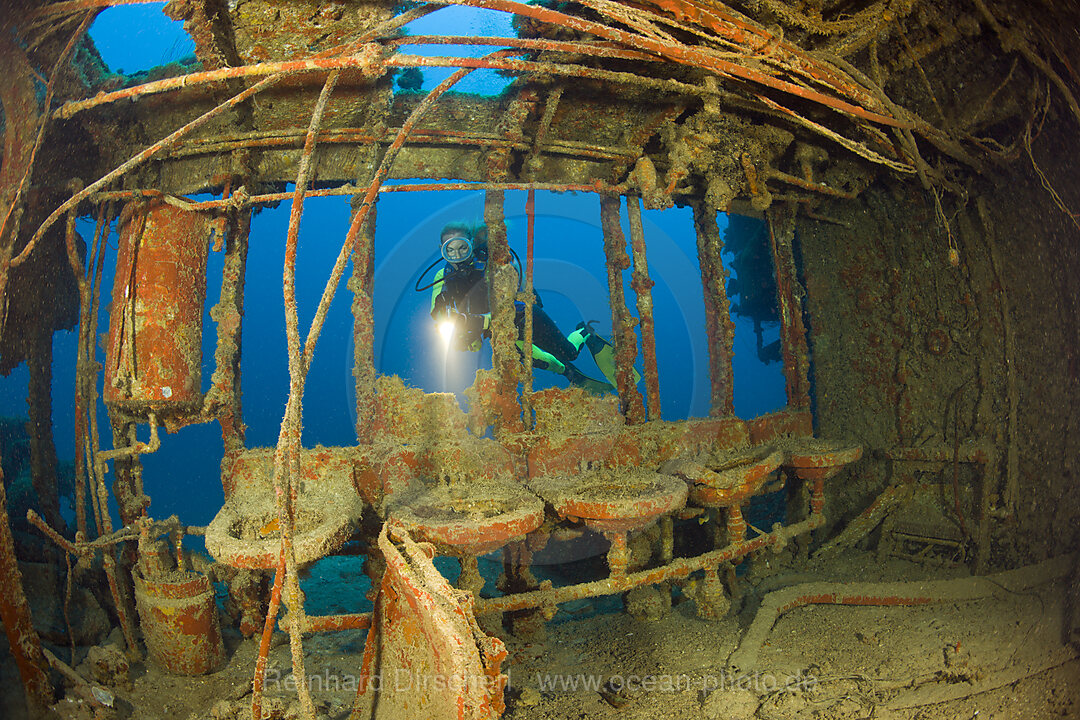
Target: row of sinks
[480,515]
[483,518]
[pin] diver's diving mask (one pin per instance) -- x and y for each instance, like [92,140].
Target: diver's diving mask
[457,250]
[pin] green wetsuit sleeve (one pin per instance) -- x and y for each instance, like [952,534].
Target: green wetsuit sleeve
[436,289]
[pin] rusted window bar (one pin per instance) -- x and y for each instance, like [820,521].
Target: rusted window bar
[642,285]
[362,285]
[85,374]
[719,328]
[529,300]
[789,295]
[622,324]
[224,396]
[502,290]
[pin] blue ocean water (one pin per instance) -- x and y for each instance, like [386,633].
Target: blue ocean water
[183,477]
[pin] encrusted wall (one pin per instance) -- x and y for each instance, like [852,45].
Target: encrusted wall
[902,340]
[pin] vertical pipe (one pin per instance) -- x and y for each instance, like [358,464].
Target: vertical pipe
[502,289]
[642,285]
[15,612]
[264,643]
[127,472]
[618,555]
[42,450]
[229,314]
[718,325]
[736,524]
[781,221]
[622,324]
[92,443]
[362,285]
[123,609]
[85,376]
[529,300]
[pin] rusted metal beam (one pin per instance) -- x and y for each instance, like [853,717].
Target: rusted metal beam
[418,137]
[593,49]
[789,294]
[223,400]
[70,6]
[502,290]
[264,643]
[719,328]
[286,474]
[140,158]
[675,570]
[596,187]
[364,61]
[642,285]
[362,285]
[695,57]
[43,461]
[529,299]
[810,185]
[622,324]
[89,282]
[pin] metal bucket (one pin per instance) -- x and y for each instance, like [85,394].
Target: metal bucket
[180,622]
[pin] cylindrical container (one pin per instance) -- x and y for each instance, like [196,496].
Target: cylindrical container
[180,622]
[154,354]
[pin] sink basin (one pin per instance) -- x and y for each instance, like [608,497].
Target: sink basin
[245,532]
[816,459]
[612,499]
[728,478]
[473,517]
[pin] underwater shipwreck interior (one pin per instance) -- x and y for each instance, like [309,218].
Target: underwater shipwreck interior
[886,189]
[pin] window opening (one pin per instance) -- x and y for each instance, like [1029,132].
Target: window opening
[449,21]
[329,388]
[760,386]
[134,38]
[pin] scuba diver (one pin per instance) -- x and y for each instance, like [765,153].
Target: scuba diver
[459,303]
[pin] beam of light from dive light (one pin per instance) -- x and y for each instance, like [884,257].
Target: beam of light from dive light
[446,330]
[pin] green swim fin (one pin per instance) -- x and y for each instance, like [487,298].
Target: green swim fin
[603,353]
[596,387]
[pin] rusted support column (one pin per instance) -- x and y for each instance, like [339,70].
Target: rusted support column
[789,294]
[719,328]
[127,472]
[15,612]
[502,289]
[642,285]
[42,449]
[622,324]
[224,397]
[529,299]
[362,285]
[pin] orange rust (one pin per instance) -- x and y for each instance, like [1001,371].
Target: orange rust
[154,357]
[180,623]
[788,422]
